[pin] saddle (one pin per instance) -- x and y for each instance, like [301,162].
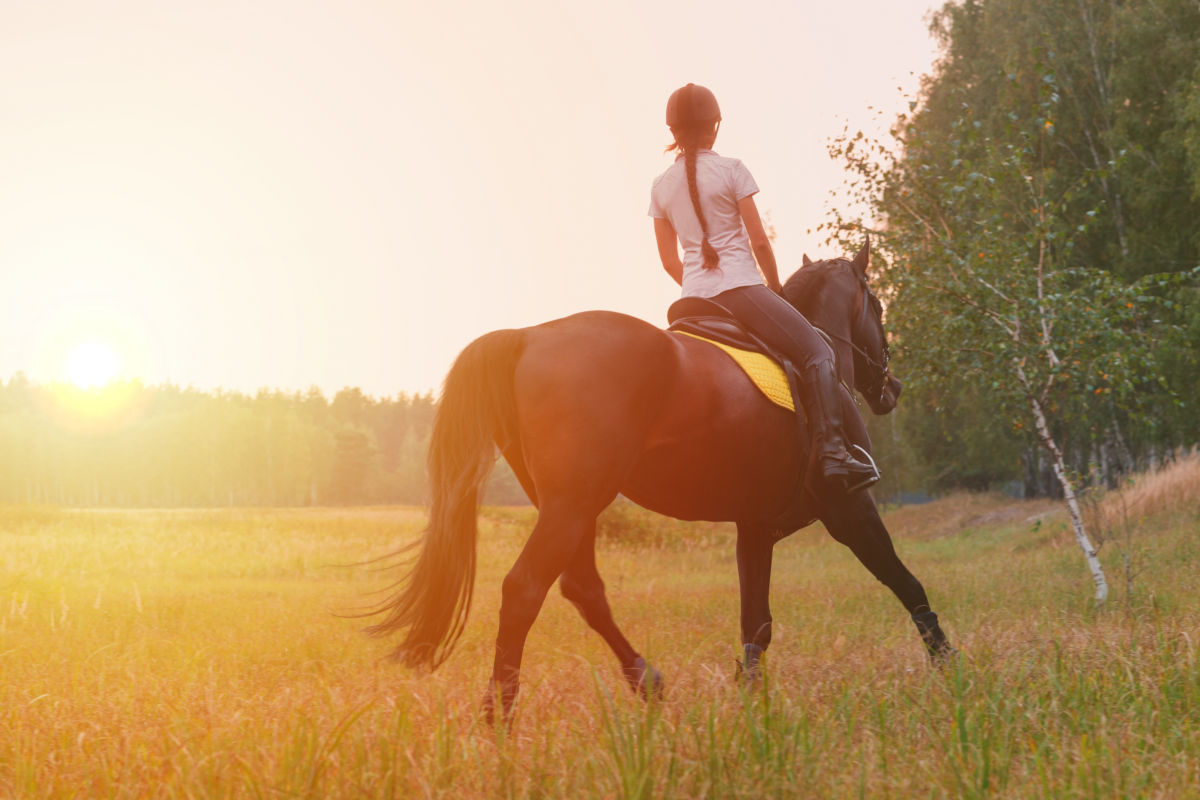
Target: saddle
[705,320]
[770,371]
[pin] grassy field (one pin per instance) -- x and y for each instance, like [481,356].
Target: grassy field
[200,654]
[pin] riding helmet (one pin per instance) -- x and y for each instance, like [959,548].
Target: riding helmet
[692,104]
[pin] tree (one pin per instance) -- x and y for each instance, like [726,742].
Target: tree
[353,458]
[981,217]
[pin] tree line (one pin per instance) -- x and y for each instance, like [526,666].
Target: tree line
[129,444]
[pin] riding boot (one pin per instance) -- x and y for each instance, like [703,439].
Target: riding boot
[819,391]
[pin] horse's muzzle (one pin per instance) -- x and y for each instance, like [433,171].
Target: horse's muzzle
[888,398]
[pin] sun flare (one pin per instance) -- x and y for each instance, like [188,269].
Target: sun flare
[92,365]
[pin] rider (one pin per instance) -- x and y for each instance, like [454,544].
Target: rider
[705,202]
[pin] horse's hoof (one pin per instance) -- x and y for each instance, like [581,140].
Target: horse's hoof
[943,656]
[488,709]
[746,678]
[749,671]
[488,706]
[644,679]
[941,652]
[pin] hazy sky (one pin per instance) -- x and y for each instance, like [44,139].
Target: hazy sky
[282,194]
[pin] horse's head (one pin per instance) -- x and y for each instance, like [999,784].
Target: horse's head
[834,295]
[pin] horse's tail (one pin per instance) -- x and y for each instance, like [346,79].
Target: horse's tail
[477,409]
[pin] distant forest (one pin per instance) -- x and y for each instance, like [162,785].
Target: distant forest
[130,445]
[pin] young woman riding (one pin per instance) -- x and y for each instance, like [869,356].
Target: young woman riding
[704,202]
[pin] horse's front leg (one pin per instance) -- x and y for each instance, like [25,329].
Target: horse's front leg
[854,521]
[755,546]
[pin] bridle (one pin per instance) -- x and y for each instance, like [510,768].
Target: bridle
[877,387]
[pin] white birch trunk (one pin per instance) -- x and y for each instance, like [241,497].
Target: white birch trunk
[1047,439]
[1064,480]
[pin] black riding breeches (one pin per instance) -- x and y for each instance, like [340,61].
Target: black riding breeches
[777,323]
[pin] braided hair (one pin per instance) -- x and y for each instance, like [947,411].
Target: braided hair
[689,134]
[711,258]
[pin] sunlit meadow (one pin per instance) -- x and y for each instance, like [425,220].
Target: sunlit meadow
[206,654]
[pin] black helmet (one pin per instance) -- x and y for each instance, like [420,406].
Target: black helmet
[692,104]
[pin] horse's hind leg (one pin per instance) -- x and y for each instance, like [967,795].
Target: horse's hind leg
[549,549]
[581,584]
[854,521]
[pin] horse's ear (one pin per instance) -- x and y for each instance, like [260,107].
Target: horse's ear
[806,260]
[863,258]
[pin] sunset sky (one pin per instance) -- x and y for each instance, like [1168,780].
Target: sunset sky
[285,194]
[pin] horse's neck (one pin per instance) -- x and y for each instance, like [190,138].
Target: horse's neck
[836,323]
[845,356]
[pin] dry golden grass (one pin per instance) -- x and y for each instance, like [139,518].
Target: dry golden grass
[1168,490]
[197,654]
[962,511]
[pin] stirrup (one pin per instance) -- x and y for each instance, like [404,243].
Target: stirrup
[868,481]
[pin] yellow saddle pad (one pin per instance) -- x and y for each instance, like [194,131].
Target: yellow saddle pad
[765,373]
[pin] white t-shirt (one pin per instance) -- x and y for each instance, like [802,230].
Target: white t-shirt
[722,182]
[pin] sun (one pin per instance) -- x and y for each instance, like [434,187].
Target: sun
[92,364]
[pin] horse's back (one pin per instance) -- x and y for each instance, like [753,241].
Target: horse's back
[607,402]
[593,361]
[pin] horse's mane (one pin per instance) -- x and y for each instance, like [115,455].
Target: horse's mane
[802,280]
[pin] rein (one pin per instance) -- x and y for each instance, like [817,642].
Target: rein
[882,369]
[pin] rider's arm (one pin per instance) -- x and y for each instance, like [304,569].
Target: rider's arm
[668,249]
[760,243]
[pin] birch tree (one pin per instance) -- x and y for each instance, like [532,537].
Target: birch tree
[978,237]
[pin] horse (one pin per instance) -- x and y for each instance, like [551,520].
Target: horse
[600,403]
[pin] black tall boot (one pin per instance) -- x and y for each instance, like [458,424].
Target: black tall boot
[822,405]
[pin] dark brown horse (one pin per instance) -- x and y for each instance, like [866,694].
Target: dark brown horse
[599,403]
